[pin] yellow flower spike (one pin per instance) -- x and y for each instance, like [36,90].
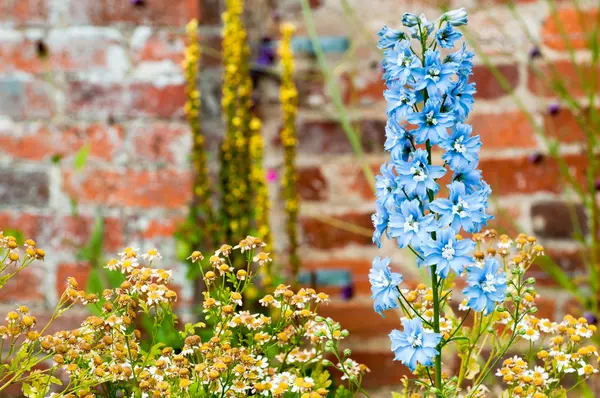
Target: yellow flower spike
[289,105]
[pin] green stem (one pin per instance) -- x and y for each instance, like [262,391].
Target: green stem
[436,329]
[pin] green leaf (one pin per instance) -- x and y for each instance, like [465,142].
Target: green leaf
[81,157]
[92,251]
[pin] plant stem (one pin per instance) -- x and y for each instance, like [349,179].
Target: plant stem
[436,329]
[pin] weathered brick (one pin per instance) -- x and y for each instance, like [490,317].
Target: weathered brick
[156,12]
[311,183]
[520,175]
[161,228]
[503,130]
[166,188]
[94,100]
[24,188]
[329,137]
[546,78]
[24,12]
[571,261]
[43,143]
[63,49]
[25,287]
[384,370]
[62,231]
[79,271]
[25,97]
[320,234]
[564,126]
[160,142]
[569,27]
[488,87]
[558,220]
[360,319]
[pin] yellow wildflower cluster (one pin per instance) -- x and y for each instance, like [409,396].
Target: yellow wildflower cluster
[242,354]
[289,104]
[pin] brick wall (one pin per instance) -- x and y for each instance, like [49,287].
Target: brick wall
[107,73]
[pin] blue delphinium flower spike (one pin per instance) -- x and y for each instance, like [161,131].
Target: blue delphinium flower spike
[398,141]
[435,76]
[384,285]
[416,176]
[400,100]
[409,226]
[487,286]
[389,37]
[460,210]
[461,148]
[399,62]
[414,345]
[456,17]
[447,36]
[448,253]
[432,124]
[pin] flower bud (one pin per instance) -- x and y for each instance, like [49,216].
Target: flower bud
[409,20]
[326,363]
[330,346]
[347,352]
[530,280]
[319,318]
[456,17]
[533,310]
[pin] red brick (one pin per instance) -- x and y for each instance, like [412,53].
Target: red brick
[44,143]
[29,12]
[564,127]
[70,49]
[488,86]
[360,319]
[159,142]
[545,78]
[571,261]
[156,12]
[384,370]
[328,136]
[556,219]
[25,287]
[92,100]
[519,175]
[26,97]
[358,182]
[79,271]
[162,228]
[503,130]
[321,234]
[149,100]
[576,26]
[311,183]
[60,231]
[130,188]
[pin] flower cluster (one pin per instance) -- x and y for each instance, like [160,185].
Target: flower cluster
[429,98]
[282,351]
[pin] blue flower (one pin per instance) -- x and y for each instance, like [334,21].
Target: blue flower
[380,222]
[416,176]
[464,60]
[487,286]
[385,183]
[399,62]
[409,20]
[462,149]
[434,76]
[431,123]
[460,98]
[398,140]
[389,37]
[470,176]
[409,225]
[447,36]
[414,345]
[400,100]
[422,27]
[448,253]
[456,17]
[460,209]
[384,285]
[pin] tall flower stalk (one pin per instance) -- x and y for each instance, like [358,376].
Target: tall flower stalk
[289,104]
[429,97]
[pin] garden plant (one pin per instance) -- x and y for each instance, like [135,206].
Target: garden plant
[494,329]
